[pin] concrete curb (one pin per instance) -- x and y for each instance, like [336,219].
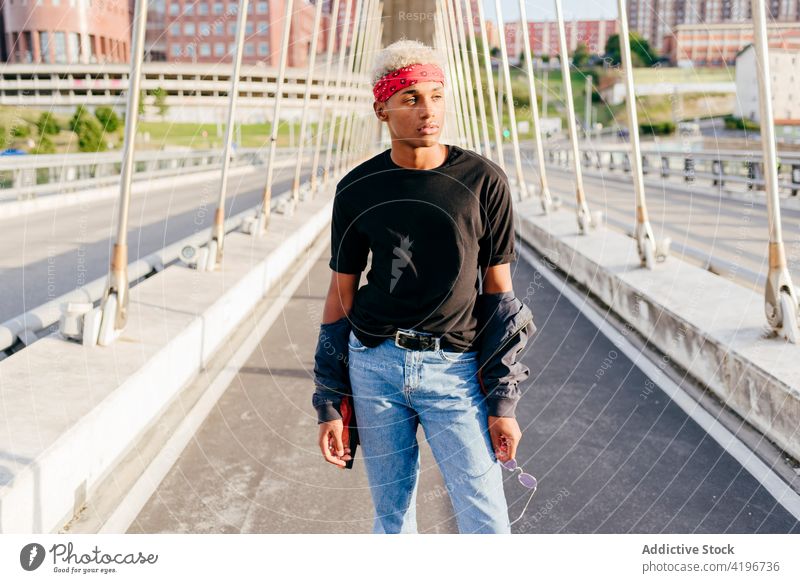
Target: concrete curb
[73,412]
[714,329]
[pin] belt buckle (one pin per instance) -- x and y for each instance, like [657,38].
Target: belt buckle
[416,340]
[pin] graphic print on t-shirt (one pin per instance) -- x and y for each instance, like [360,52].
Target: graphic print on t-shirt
[402,254]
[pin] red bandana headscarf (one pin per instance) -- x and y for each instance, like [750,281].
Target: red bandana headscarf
[404,77]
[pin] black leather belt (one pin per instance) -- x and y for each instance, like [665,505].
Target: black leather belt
[412,340]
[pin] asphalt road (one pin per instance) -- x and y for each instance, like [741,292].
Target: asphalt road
[729,236]
[49,253]
[612,452]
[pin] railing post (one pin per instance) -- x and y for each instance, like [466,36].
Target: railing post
[717,169]
[688,169]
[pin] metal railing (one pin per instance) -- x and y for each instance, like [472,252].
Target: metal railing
[720,168]
[28,327]
[27,177]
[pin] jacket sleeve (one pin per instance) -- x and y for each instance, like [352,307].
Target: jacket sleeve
[331,376]
[505,325]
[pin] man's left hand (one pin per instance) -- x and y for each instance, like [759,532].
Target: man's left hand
[506,435]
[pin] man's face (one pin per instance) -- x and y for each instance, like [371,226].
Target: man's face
[415,115]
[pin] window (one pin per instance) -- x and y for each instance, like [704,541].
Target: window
[219,30]
[248,28]
[249,49]
[44,46]
[188,8]
[217,7]
[176,50]
[188,28]
[28,54]
[263,49]
[174,9]
[261,8]
[231,28]
[205,29]
[74,47]
[60,46]
[175,29]
[202,9]
[233,8]
[231,48]
[190,50]
[219,49]
[205,50]
[263,27]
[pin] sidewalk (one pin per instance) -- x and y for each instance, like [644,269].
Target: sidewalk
[254,465]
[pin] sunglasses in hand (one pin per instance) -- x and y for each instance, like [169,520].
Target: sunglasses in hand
[525,479]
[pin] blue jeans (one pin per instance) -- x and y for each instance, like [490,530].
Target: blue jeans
[395,389]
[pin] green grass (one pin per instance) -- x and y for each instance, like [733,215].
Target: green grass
[652,109]
[162,133]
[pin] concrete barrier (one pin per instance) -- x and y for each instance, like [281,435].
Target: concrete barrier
[712,328]
[71,413]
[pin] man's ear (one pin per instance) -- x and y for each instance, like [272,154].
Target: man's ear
[380,110]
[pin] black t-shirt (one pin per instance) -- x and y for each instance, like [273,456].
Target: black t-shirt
[428,231]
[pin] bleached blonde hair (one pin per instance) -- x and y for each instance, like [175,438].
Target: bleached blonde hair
[403,53]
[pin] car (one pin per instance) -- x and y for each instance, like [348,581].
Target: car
[13,152]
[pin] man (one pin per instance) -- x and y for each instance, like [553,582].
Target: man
[421,345]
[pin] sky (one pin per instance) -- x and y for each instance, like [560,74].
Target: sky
[545,9]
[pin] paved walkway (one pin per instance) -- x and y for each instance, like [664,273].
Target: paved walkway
[612,452]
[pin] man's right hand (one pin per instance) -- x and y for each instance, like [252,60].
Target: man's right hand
[330,443]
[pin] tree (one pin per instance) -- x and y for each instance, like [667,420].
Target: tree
[160,95]
[47,124]
[20,130]
[642,55]
[108,118]
[90,136]
[78,118]
[581,55]
[88,129]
